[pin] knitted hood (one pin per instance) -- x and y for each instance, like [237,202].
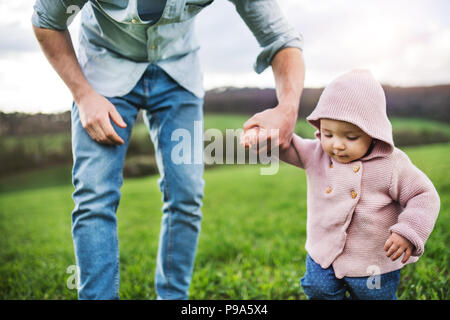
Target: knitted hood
[357,97]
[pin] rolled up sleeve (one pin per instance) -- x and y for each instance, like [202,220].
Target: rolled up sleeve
[270,28]
[55,14]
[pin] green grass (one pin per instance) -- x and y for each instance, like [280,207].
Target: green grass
[57,175]
[420,125]
[251,245]
[59,143]
[35,144]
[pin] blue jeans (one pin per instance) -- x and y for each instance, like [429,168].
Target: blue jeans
[322,284]
[97,178]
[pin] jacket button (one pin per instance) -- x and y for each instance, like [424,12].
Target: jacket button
[354,194]
[134,21]
[328,190]
[356,168]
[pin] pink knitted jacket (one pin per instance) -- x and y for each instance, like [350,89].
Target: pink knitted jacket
[353,208]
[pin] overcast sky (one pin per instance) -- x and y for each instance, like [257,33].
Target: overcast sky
[403,42]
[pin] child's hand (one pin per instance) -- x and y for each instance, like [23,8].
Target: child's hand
[396,245]
[250,137]
[247,137]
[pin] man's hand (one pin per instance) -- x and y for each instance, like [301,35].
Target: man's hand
[276,125]
[396,245]
[95,112]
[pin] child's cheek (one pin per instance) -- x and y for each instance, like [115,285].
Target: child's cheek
[324,144]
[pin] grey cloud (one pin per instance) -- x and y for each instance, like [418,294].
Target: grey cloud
[14,39]
[227,43]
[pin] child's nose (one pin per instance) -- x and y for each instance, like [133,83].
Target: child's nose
[338,145]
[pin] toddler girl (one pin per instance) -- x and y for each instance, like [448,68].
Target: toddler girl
[368,205]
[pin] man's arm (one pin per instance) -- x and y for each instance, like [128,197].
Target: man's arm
[58,49]
[289,73]
[94,109]
[281,45]
[50,22]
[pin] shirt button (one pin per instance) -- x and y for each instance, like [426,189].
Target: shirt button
[354,194]
[328,190]
[356,168]
[134,21]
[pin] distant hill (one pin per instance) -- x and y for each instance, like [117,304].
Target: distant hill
[419,102]
[414,102]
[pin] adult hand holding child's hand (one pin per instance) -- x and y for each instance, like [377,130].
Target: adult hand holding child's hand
[272,127]
[396,245]
[251,137]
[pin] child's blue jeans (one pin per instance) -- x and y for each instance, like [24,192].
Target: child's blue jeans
[322,284]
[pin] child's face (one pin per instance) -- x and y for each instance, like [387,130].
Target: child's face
[343,141]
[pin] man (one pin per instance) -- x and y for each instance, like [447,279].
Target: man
[136,55]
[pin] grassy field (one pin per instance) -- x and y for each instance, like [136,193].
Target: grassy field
[54,144]
[251,245]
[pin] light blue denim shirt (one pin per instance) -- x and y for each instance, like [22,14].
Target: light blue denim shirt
[116,45]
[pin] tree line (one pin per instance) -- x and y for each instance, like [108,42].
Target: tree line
[412,102]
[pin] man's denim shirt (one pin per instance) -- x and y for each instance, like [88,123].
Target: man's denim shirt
[116,46]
